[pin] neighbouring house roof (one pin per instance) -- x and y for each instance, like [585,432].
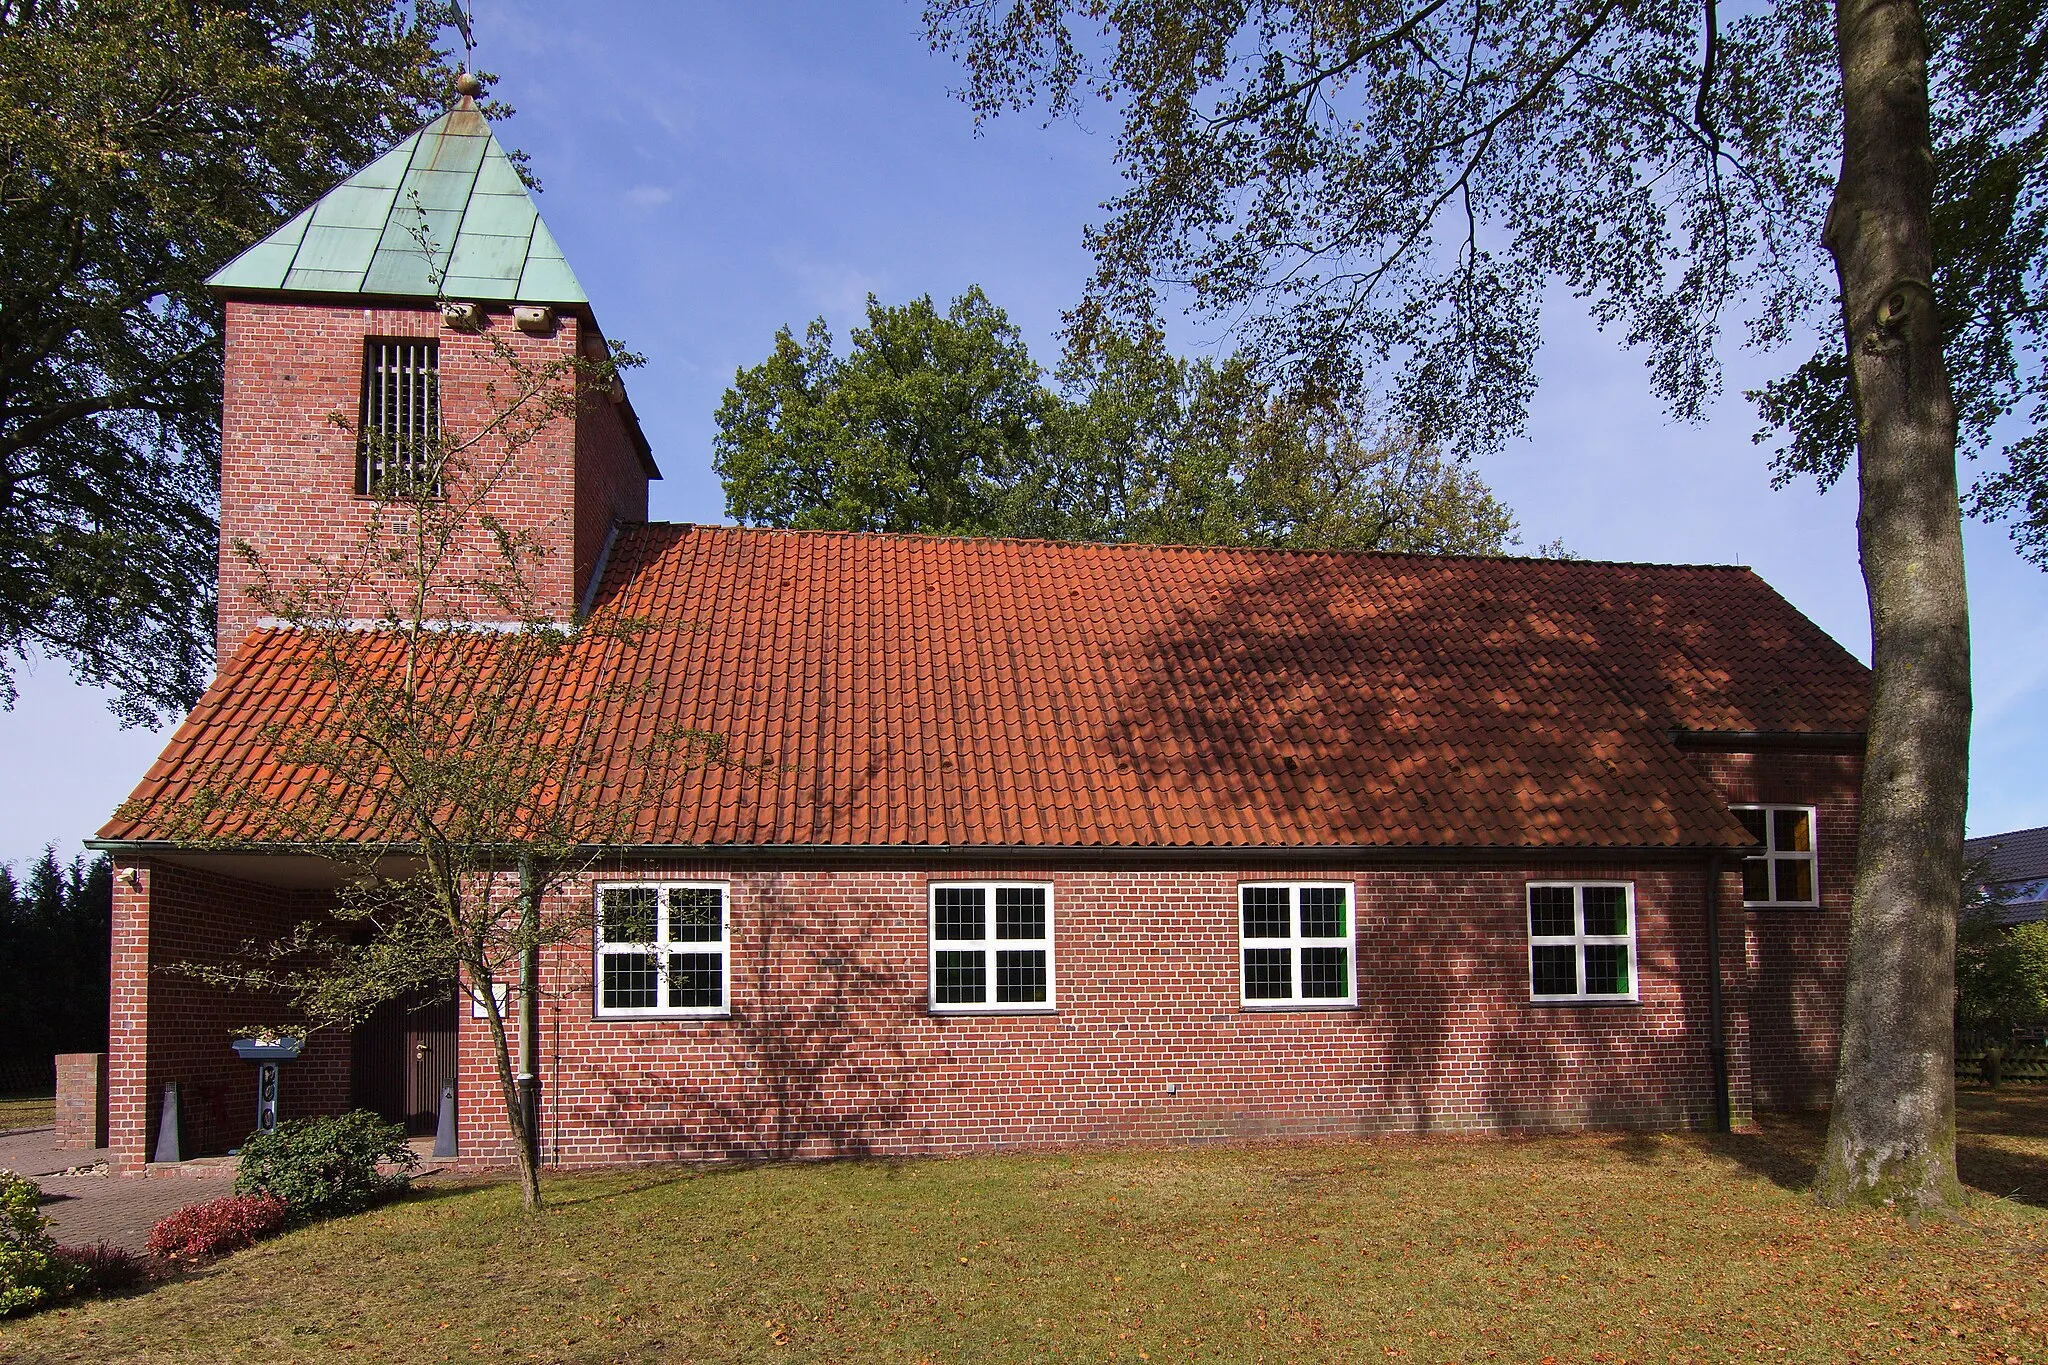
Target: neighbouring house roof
[447,201]
[2019,869]
[906,691]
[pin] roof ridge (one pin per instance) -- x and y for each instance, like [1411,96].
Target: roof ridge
[940,537]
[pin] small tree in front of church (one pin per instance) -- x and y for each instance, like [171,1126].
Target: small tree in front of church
[447,736]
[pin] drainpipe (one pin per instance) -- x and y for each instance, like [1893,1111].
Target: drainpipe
[1717,1030]
[529,1005]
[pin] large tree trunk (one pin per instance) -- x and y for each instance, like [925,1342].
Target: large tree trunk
[1891,1138]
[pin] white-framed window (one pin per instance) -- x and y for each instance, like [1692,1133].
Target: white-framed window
[1297,945]
[1785,873]
[662,949]
[1582,941]
[991,947]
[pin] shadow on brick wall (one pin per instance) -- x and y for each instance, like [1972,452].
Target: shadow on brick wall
[824,1073]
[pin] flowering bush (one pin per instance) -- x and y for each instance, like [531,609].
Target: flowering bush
[31,1272]
[321,1167]
[104,1268]
[199,1231]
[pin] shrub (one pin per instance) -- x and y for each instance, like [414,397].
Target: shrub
[104,1268]
[31,1272]
[229,1223]
[322,1167]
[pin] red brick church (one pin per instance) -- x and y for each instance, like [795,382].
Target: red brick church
[1036,843]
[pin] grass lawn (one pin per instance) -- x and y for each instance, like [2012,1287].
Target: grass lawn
[1602,1248]
[27,1111]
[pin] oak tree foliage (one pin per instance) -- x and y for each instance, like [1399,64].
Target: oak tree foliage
[1377,195]
[143,143]
[942,422]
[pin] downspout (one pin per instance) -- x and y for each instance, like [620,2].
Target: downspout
[1717,1028]
[529,1005]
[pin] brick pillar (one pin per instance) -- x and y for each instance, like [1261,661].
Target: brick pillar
[1738,979]
[81,1100]
[127,1109]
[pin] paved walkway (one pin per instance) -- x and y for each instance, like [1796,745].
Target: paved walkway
[93,1206]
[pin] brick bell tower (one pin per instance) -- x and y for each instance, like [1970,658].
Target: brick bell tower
[338,311]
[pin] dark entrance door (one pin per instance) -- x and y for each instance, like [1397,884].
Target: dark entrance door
[404,1054]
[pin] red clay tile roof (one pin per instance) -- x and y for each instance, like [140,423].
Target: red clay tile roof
[925,691]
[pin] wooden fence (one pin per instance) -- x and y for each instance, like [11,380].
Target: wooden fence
[2024,1064]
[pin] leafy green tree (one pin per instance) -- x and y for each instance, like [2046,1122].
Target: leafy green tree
[923,427]
[142,144]
[943,424]
[2001,969]
[1145,447]
[1311,480]
[1375,196]
[1987,79]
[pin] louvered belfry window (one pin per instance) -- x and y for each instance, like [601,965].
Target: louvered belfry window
[401,415]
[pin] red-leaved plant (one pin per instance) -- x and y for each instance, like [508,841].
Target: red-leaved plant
[200,1231]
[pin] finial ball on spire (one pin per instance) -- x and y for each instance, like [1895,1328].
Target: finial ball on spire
[466,84]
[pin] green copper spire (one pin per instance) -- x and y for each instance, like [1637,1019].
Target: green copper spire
[446,201]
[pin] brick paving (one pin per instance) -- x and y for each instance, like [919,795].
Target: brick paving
[88,1208]
[98,1207]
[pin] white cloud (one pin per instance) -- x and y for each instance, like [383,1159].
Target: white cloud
[648,196]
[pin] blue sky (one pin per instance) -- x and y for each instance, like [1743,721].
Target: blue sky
[714,172]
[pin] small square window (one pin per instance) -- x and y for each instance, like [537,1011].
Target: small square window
[1020,977]
[1296,945]
[1269,973]
[1325,973]
[1606,910]
[1322,912]
[628,914]
[630,981]
[1020,912]
[1551,910]
[661,949]
[694,981]
[1582,941]
[1265,912]
[961,978]
[1606,969]
[958,913]
[696,915]
[1785,871]
[991,962]
[1554,969]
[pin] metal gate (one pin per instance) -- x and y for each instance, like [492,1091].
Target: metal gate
[403,1055]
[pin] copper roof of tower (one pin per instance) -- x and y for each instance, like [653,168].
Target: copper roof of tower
[446,205]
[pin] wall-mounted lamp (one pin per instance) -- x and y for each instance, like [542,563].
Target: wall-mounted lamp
[133,878]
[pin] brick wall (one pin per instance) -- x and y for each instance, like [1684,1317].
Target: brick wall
[611,484]
[830,1048]
[1797,960]
[81,1100]
[167,1026]
[288,471]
